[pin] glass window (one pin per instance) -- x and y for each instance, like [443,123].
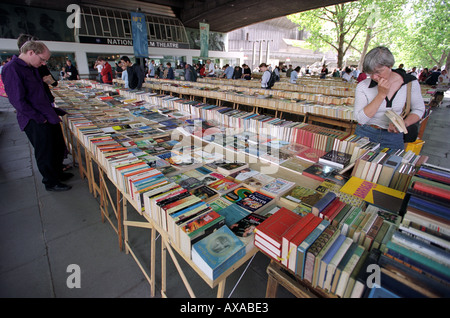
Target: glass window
[117,23]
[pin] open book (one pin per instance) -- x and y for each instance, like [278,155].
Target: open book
[397,120]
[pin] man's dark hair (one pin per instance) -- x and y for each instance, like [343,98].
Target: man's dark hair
[125,59]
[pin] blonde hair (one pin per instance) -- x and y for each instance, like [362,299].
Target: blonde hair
[36,46]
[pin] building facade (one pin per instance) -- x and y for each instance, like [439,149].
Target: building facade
[106,32]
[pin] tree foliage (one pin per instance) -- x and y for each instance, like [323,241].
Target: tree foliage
[416,31]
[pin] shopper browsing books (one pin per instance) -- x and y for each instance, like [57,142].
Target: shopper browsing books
[135,73]
[266,75]
[35,113]
[386,89]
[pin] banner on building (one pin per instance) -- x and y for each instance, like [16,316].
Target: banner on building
[204,39]
[139,32]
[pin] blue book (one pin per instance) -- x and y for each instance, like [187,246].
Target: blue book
[429,207]
[323,203]
[187,209]
[233,214]
[302,250]
[429,266]
[378,291]
[217,252]
[327,259]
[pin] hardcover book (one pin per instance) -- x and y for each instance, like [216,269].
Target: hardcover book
[378,195]
[276,225]
[323,203]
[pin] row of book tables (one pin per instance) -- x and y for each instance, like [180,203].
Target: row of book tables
[332,102]
[321,206]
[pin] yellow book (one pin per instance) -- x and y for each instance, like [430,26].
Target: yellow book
[376,194]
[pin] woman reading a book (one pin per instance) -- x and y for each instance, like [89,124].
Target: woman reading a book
[385,90]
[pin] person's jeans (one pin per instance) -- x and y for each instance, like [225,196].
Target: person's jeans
[385,138]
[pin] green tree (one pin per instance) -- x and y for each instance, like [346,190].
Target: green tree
[339,26]
[416,31]
[425,39]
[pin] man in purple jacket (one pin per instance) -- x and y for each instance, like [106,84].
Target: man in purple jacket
[35,113]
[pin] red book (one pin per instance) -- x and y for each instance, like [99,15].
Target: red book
[330,208]
[332,214]
[274,227]
[440,192]
[311,154]
[289,235]
[433,176]
[298,239]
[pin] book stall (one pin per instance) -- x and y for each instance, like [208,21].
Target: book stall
[293,100]
[219,185]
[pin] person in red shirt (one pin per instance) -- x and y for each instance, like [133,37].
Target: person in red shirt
[106,72]
[202,71]
[361,77]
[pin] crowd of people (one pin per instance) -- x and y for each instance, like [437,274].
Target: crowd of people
[381,87]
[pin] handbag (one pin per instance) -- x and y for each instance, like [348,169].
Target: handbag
[413,130]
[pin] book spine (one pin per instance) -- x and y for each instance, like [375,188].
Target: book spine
[432,190]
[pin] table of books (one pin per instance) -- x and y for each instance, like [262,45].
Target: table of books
[229,186]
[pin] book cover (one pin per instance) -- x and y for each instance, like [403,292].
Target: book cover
[223,185]
[378,195]
[295,164]
[256,182]
[246,226]
[231,167]
[311,155]
[336,159]
[237,194]
[233,214]
[255,202]
[218,251]
[277,187]
[318,171]
[219,204]
[205,193]
[244,174]
[296,195]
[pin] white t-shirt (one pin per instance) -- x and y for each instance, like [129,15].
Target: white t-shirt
[365,94]
[99,68]
[211,69]
[347,77]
